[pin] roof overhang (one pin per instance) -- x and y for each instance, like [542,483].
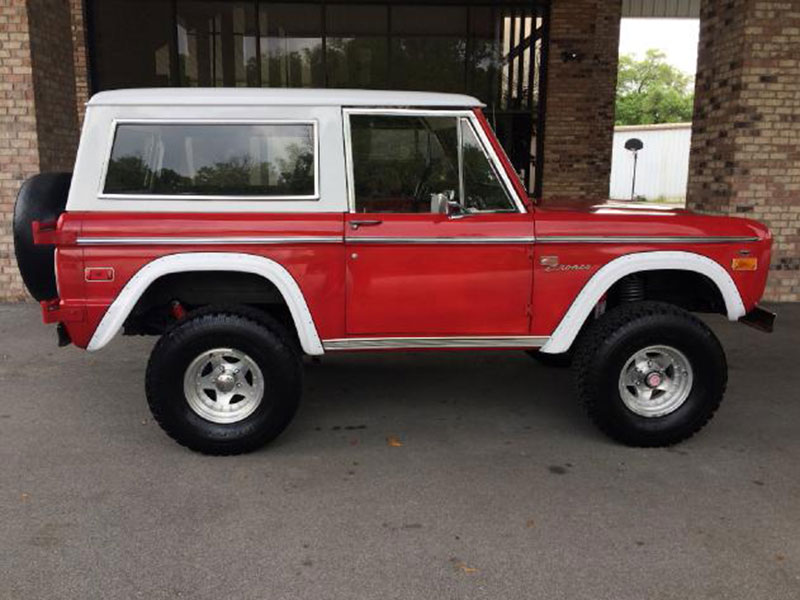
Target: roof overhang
[661,9]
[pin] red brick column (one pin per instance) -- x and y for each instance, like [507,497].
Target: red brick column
[579,121]
[38,122]
[745,158]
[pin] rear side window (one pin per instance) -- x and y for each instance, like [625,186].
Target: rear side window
[275,160]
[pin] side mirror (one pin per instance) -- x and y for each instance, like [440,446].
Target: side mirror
[455,209]
[440,203]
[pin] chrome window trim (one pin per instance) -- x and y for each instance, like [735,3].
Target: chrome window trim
[621,239]
[200,240]
[489,151]
[201,197]
[397,343]
[441,240]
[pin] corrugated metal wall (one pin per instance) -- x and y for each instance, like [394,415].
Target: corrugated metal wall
[663,163]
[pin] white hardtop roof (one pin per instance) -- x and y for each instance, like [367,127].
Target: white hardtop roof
[278,97]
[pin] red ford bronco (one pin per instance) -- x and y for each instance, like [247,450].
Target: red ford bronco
[248,227]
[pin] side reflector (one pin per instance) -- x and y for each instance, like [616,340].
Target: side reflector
[99,273]
[744,264]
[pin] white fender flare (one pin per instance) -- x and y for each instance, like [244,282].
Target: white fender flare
[209,261]
[609,274]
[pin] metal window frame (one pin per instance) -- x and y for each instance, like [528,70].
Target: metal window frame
[458,115]
[115,123]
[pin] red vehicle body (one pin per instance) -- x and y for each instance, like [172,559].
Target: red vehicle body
[382,279]
[371,295]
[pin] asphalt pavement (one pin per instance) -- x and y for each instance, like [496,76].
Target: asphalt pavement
[404,476]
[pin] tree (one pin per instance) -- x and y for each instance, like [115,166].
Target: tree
[652,91]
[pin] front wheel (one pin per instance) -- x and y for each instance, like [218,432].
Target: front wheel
[223,383]
[650,374]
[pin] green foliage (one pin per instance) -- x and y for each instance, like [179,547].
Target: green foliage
[652,91]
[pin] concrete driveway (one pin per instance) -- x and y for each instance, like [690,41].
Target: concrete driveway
[492,484]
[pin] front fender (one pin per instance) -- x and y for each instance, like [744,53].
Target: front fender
[569,326]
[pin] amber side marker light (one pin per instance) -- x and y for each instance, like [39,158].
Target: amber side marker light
[744,264]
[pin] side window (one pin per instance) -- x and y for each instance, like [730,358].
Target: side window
[404,164]
[483,191]
[213,160]
[422,164]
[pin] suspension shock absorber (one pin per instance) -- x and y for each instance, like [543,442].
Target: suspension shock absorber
[631,289]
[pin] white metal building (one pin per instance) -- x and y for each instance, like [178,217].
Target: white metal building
[663,164]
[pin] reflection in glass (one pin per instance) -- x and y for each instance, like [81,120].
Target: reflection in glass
[482,188]
[213,160]
[217,43]
[291,52]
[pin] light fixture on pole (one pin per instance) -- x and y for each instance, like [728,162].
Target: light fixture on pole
[634,145]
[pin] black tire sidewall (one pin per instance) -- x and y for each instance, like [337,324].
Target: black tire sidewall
[42,198]
[708,368]
[279,366]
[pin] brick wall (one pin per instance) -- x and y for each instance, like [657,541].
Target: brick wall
[38,121]
[745,158]
[50,35]
[580,98]
[19,154]
[79,60]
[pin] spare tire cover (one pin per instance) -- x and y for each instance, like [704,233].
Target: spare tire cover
[41,198]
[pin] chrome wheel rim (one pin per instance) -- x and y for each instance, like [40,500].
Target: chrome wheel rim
[223,385]
[656,381]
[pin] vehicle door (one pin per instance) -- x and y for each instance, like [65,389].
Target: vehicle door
[437,243]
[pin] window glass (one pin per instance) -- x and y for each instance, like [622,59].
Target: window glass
[291,48]
[483,191]
[212,160]
[404,164]
[413,164]
[217,43]
[357,46]
[132,43]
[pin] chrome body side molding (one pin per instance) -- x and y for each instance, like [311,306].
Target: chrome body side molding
[622,239]
[205,241]
[441,240]
[397,343]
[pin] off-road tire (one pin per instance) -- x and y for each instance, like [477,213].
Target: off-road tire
[607,344]
[264,341]
[41,198]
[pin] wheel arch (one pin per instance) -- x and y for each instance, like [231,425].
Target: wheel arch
[276,274]
[607,276]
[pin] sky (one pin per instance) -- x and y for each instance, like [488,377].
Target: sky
[677,38]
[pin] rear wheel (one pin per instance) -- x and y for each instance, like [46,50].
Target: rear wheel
[224,384]
[650,374]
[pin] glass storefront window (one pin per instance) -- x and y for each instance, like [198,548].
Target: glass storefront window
[291,45]
[356,46]
[217,43]
[491,50]
[131,44]
[428,48]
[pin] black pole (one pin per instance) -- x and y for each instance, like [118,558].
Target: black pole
[633,183]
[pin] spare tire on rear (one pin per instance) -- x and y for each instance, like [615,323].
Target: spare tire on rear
[41,198]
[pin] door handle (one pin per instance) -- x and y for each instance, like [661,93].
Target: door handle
[357,224]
